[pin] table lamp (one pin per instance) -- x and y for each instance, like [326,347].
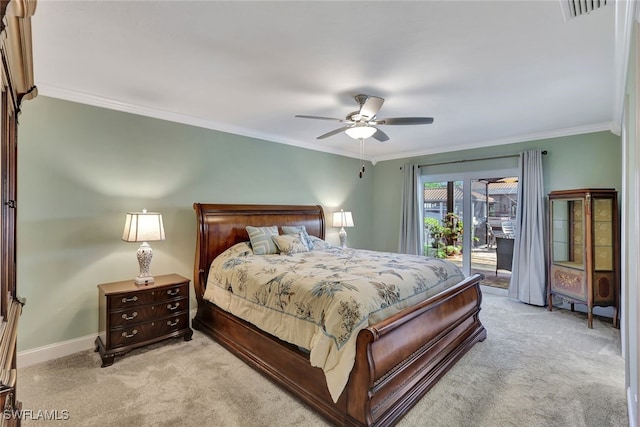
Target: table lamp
[143,227]
[342,219]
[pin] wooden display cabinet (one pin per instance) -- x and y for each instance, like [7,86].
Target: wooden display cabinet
[584,248]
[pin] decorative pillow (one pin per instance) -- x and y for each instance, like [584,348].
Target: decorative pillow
[261,242]
[299,229]
[318,243]
[290,244]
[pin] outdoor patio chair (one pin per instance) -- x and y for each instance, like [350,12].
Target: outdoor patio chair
[508,229]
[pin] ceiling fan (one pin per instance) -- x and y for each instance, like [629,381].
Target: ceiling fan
[362,124]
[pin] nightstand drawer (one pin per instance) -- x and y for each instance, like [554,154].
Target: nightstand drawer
[121,301]
[142,332]
[144,313]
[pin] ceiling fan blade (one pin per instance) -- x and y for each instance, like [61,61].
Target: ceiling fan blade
[380,136]
[371,107]
[405,121]
[333,132]
[318,117]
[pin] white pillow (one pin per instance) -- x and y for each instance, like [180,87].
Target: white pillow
[289,229]
[290,244]
[318,243]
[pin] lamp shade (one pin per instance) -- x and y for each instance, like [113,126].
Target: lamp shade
[143,227]
[342,219]
[361,131]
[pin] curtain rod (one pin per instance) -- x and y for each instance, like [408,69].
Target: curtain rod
[474,160]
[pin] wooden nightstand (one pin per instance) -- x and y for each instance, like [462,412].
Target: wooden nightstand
[133,316]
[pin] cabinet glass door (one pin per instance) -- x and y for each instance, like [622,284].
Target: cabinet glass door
[603,234]
[568,232]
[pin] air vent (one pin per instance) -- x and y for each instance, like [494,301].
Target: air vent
[574,8]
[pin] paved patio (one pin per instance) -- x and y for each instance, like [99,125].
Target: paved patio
[483,261]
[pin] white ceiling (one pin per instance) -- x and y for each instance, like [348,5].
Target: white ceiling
[489,72]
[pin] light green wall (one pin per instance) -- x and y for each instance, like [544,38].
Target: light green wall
[582,161]
[81,168]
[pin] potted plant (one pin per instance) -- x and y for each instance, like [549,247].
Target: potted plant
[445,236]
[435,231]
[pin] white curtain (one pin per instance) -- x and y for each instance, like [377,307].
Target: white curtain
[410,227]
[528,277]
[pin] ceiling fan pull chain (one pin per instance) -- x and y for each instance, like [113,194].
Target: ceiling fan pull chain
[361,157]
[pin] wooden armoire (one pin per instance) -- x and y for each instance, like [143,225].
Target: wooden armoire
[17,86]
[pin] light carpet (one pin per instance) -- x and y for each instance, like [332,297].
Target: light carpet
[536,368]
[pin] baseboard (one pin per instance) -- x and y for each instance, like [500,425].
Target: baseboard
[60,349]
[493,290]
[55,350]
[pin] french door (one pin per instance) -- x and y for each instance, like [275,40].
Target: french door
[464,213]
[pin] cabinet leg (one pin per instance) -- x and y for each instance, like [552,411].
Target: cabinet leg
[590,318]
[107,358]
[188,335]
[106,361]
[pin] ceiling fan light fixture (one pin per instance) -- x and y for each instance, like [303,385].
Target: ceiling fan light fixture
[361,131]
[361,124]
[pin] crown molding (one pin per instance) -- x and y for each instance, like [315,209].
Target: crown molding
[97,101]
[558,133]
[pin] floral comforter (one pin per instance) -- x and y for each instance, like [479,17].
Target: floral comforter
[320,300]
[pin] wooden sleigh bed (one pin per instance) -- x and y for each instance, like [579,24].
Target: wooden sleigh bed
[397,360]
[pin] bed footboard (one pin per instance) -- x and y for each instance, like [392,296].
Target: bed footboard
[401,358]
[397,360]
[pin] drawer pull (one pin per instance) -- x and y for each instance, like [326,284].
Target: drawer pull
[131,335]
[133,316]
[173,292]
[170,323]
[134,299]
[169,307]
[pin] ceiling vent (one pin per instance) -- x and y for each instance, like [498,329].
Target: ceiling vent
[574,8]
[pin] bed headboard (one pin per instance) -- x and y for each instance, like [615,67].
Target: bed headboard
[221,226]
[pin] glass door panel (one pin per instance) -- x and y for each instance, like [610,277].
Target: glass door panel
[493,211]
[443,220]
[603,234]
[567,217]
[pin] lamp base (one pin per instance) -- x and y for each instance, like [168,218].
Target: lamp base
[143,280]
[144,254]
[343,238]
